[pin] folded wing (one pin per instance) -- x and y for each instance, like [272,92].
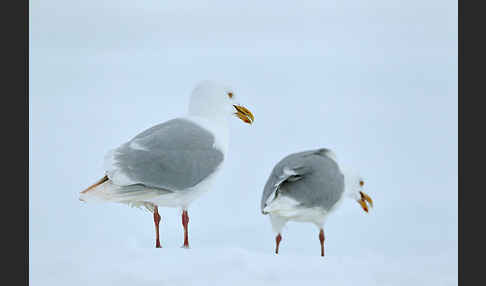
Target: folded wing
[302,172]
[174,156]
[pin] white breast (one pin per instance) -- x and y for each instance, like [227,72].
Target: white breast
[288,209]
[185,197]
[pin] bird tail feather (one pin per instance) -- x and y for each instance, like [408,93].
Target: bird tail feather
[133,195]
[93,186]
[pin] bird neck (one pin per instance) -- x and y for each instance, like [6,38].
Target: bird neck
[219,126]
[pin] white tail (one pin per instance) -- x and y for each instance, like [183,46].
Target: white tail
[105,191]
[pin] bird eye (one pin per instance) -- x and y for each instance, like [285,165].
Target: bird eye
[361,183]
[230,94]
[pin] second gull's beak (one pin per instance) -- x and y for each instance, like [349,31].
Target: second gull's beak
[244,114]
[364,200]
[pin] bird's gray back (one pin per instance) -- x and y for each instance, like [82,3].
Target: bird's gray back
[174,155]
[318,182]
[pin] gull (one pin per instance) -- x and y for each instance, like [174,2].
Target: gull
[173,163]
[306,187]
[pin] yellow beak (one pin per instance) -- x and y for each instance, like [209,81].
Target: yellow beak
[364,200]
[244,114]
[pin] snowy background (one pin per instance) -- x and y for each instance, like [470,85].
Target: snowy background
[376,81]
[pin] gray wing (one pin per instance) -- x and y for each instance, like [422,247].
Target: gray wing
[312,178]
[174,155]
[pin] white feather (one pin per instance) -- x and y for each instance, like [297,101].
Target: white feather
[110,192]
[284,208]
[134,145]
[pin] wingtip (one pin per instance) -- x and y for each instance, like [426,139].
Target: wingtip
[101,181]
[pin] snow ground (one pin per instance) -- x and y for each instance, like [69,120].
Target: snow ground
[113,245]
[233,266]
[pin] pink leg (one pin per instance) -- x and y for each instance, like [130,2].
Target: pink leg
[278,238]
[321,238]
[157,221]
[185,221]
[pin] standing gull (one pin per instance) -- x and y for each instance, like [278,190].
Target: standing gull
[172,163]
[306,187]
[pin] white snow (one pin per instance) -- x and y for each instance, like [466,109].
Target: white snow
[233,266]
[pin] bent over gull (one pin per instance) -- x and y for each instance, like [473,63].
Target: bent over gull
[306,187]
[172,163]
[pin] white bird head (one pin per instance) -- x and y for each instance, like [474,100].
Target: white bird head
[216,101]
[354,185]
